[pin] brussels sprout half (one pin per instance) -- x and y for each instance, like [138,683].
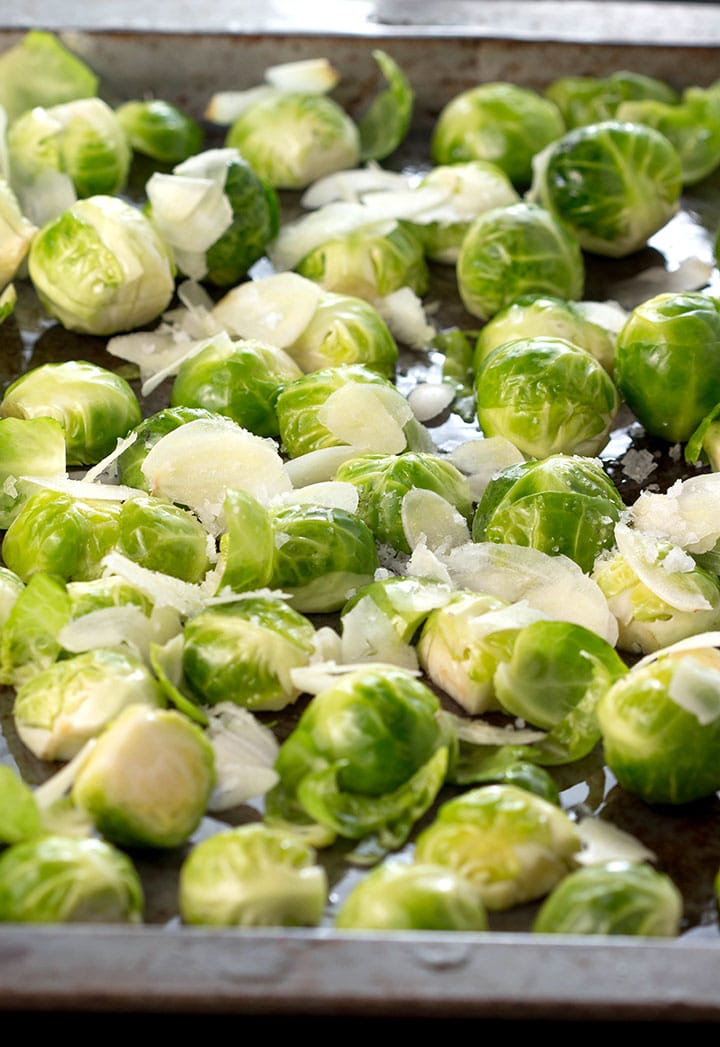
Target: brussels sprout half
[41,70]
[515,250]
[57,879]
[95,406]
[161,536]
[547,396]
[253,875]
[159,129]
[500,122]
[591,99]
[612,184]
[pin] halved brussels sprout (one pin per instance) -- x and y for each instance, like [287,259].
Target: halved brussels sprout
[160,130]
[65,536]
[412,896]
[348,405]
[547,396]
[617,897]
[518,249]
[547,316]
[562,505]
[28,447]
[501,122]
[292,138]
[383,480]
[321,556]
[29,641]
[59,879]
[147,779]
[667,367]
[253,875]
[660,727]
[612,184]
[345,330]
[238,379]
[82,139]
[100,267]
[590,99]
[40,70]
[164,537]
[551,668]
[369,262]
[365,761]
[64,705]
[244,650]
[515,846]
[95,406]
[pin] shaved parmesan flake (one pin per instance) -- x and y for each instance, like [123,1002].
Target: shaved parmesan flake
[423,563]
[317,677]
[604,842]
[274,309]
[688,514]
[164,590]
[190,213]
[225,107]
[669,576]
[311,75]
[361,416]
[429,400]
[698,642]
[245,753]
[332,494]
[553,584]
[404,313]
[481,460]
[196,463]
[695,687]
[427,516]
[86,490]
[479,732]
[317,466]
[609,315]
[122,625]
[105,464]
[352,185]
[368,635]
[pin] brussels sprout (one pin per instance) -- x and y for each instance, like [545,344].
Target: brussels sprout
[100,267]
[550,670]
[370,262]
[547,396]
[660,727]
[237,379]
[16,234]
[514,845]
[147,779]
[29,638]
[405,601]
[345,330]
[95,406]
[244,650]
[216,213]
[477,186]
[28,447]
[463,642]
[321,556]
[365,761]
[293,138]
[62,535]
[516,250]
[41,70]
[383,480]
[347,405]
[253,875]
[612,184]
[547,316]
[591,99]
[500,122]
[164,537]
[82,139]
[58,879]
[618,897]
[146,434]
[667,367]
[69,702]
[409,896]
[160,130]
[692,125]
[562,505]
[658,593]
[247,544]
[21,817]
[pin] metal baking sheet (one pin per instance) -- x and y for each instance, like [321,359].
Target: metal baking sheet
[506,974]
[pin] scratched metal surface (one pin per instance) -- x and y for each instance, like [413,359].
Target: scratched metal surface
[506,973]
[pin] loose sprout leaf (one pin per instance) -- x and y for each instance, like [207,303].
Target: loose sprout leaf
[386,123]
[19,813]
[245,754]
[166,660]
[333,494]
[369,635]
[481,732]
[690,643]
[317,466]
[225,107]
[427,515]
[353,185]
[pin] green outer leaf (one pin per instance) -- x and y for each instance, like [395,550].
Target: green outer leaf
[387,121]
